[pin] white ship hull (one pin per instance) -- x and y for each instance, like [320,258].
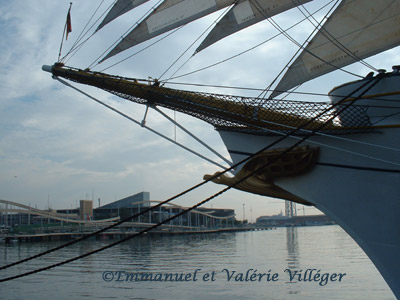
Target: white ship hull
[356,184]
[353,178]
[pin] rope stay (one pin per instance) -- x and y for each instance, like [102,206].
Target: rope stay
[277,132]
[139,51]
[97,62]
[251,48]
[142,124]
[300,47]
[191,189]
[356,110]
[192,135]
[75,48]
[82,34]
[304,126]
[191,45]
[65,30]
[332,39]
[230,112]
[77,45]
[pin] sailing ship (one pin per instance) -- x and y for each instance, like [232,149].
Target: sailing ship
[341,157]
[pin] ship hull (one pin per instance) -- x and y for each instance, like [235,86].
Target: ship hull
[355,178]
[360,194]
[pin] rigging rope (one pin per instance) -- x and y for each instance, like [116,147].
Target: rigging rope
[81,34]
[191,135]
[239,88]
[332,39]
[249,49]
[298,50]
[97,62]
[65,30]
[259,89]
[78,44]
[333,137]
[145,48]
[200,184]
[143,125]
[212,150]
[191,45]
[301,47]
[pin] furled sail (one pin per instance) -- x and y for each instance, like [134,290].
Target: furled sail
[120,7]
[169,15]
[356,29]
[244,14]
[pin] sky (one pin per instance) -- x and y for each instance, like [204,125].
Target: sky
[57,146]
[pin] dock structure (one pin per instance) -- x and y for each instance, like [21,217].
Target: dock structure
[27,224]
[60,236]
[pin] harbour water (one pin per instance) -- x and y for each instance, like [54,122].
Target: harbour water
[241,265]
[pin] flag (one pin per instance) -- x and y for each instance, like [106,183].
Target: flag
[68,24]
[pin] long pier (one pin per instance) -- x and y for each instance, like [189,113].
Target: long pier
[58,236]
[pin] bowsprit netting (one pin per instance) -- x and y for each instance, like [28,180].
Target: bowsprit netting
[229,112]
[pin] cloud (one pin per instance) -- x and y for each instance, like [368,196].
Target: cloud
[55,141]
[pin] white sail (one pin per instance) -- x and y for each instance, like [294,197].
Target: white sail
[120,7]
[169,15]
[244,14]
[357,29]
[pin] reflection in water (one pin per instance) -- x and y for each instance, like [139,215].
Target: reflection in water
[292,259]
[292,247]
[258,251]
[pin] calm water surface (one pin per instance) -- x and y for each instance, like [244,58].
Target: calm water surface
[103,276]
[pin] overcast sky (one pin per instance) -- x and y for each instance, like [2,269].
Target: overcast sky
[57,146]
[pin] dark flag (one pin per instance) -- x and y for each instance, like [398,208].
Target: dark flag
[68,24]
